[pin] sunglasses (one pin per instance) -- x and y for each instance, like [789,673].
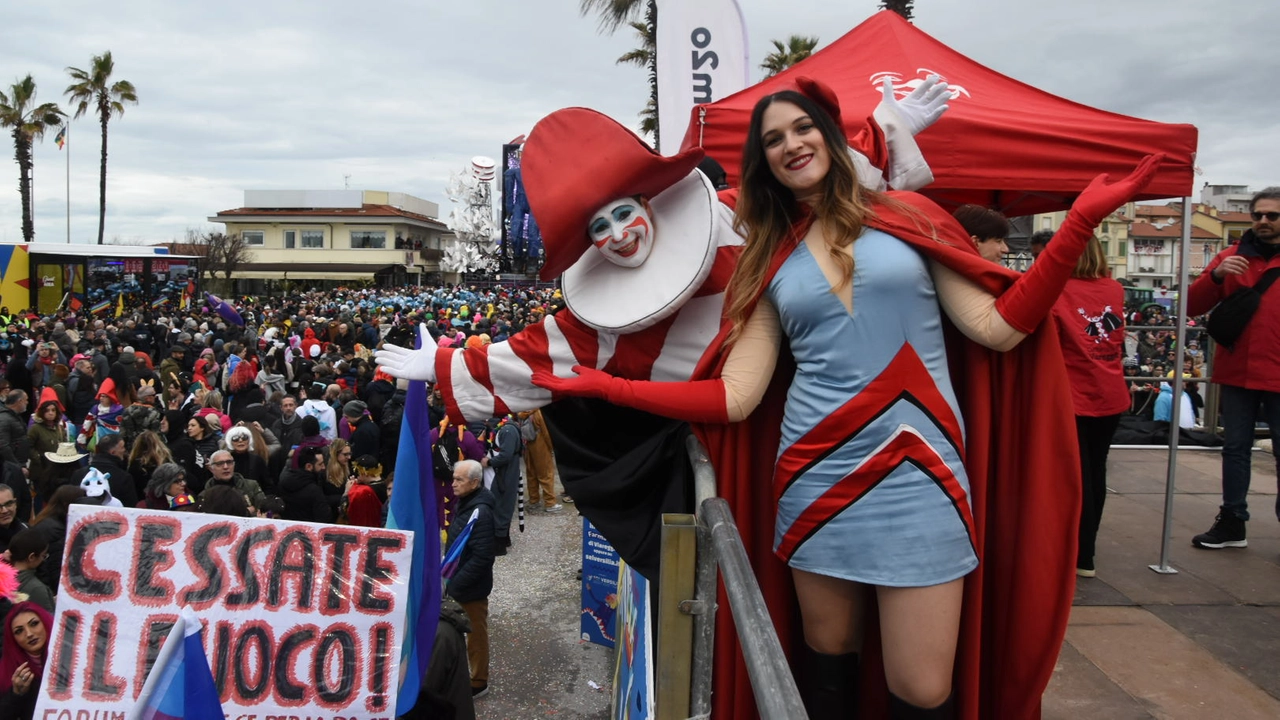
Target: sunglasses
[1270,216]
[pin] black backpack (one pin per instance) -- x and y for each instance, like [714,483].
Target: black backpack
[447,450]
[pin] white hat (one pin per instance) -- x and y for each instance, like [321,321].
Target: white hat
[66,453]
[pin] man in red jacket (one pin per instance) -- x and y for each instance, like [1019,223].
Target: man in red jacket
[1249,372]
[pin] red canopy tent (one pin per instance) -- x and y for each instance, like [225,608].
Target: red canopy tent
[1002,144]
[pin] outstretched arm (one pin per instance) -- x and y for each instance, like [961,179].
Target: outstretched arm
[729,398]
[1026,303]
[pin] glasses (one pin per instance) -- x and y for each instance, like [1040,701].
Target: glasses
[1270,216]
[9,505]
[223,463]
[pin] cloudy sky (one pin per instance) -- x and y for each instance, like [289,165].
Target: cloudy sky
[397,94]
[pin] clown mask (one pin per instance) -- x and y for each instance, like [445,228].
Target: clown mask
[623,232]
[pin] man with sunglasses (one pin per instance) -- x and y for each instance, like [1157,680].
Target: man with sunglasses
[1249,372]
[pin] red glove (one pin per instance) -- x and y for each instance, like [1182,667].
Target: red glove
[695,401]
[1028,301]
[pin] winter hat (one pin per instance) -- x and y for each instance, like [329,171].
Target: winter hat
[354,409]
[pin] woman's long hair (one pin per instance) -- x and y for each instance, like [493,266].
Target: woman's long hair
[767,209]
[59,503]
[149,450]
[336,472]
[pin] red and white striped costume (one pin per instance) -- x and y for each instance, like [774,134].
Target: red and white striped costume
[480,383]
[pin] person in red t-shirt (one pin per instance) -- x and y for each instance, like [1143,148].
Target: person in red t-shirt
[364,508]
[1090,315]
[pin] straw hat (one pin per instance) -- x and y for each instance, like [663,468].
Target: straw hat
[66,453]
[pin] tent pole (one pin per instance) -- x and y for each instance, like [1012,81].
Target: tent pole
[1184,253]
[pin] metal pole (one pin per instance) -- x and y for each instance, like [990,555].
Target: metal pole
[1176,411]
[775,688]
[704,619]
[67,141]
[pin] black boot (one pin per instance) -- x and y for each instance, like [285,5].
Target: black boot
[900,709]
[830,686]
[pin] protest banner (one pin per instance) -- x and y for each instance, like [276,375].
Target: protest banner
[301,620]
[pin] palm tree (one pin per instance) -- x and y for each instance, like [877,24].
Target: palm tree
[796,49]
[615,13]
[644,57]
[29,122]
[94,88]
[902,7]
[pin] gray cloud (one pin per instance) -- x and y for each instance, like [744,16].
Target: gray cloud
[242,94]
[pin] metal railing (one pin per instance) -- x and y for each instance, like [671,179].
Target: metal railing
[720,551]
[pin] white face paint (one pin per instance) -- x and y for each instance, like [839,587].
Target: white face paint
[623,231]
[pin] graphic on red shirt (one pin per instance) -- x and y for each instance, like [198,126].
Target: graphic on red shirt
[1101,326]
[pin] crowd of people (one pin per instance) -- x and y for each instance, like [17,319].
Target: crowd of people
[286,416]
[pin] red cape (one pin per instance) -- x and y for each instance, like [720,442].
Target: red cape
[1024,474]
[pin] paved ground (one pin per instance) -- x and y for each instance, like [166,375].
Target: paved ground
[1204,643]
[539,666]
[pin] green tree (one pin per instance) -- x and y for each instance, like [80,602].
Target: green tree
[28,123]
[902,7]
[613,15]
[94,88]
[785,55]
[644,57]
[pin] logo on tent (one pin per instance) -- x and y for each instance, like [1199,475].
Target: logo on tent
[903,89]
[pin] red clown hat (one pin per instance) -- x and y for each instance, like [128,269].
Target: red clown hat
[575,162]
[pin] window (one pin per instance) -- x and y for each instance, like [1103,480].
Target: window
[313,238]
[369,239]
[1105,245]
[252,237]
[1123,250]
[290,239]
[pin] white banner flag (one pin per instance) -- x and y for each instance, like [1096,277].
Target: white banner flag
[702,57]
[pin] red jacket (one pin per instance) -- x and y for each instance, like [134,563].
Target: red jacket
[1024,473]
[1254,363]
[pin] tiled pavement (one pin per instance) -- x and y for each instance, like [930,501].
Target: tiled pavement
[1204,643]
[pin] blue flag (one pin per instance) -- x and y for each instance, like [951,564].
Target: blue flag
[181,685]
[454,555]
[413,507]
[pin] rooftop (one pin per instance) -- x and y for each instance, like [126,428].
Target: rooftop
[1147,230]
[367,210]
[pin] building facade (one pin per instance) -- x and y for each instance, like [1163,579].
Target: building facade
[324,238]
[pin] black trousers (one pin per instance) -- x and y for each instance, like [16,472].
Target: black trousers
[1094,436]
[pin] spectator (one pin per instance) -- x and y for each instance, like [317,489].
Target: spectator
[109,459]
[52,524]
[222,473]
[364,434]
[27,551]
[364,507]
[1249,370]
[14,445]
[167,485]
[224,500]
[149,453]
[987,228]
[10,523]
[472,581]
[316,406]
[250,457]
[300,488]
[23,653]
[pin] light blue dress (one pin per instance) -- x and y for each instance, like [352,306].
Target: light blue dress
[870,478]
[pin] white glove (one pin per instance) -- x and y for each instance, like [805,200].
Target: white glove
[407,363]
[923,106]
